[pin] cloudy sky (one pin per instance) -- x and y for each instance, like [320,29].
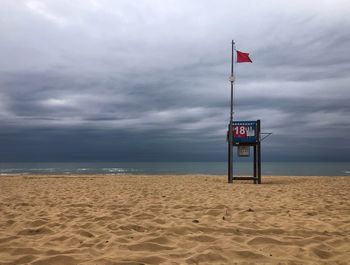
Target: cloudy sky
[148,80]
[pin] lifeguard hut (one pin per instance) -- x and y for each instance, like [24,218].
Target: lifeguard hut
[245,135]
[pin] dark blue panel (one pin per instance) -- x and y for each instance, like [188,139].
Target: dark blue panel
[244,132]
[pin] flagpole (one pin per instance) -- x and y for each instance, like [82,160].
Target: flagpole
[230,138]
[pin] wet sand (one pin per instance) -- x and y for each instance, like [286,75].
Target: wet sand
[190,219]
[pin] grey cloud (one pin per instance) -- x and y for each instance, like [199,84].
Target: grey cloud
[104,80]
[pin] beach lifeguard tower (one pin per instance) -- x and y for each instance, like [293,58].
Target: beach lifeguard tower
[244,135]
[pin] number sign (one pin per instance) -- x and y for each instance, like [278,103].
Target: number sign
[244,131]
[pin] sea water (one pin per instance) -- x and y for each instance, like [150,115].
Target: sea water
[215,168]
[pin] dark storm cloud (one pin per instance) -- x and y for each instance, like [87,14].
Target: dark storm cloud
[105,80]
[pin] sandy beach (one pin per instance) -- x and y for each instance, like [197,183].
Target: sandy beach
[95,219]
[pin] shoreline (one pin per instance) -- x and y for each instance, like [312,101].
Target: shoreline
[177,168]
[74,174]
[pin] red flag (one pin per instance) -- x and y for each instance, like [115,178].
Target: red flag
[243,57]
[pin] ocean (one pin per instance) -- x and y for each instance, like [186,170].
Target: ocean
[212,168]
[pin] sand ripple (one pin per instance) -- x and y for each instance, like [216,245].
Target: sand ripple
[109,220]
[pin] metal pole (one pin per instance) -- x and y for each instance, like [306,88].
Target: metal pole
[254,167]
[230,152]
[229,139]
[259,151]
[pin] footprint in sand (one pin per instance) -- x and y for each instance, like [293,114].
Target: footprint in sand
[56,260]
[266,240]
[36,231]
[85,233]
[207,258]
[202,238]
[147,246]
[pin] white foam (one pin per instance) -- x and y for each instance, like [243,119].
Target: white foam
[13,174]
